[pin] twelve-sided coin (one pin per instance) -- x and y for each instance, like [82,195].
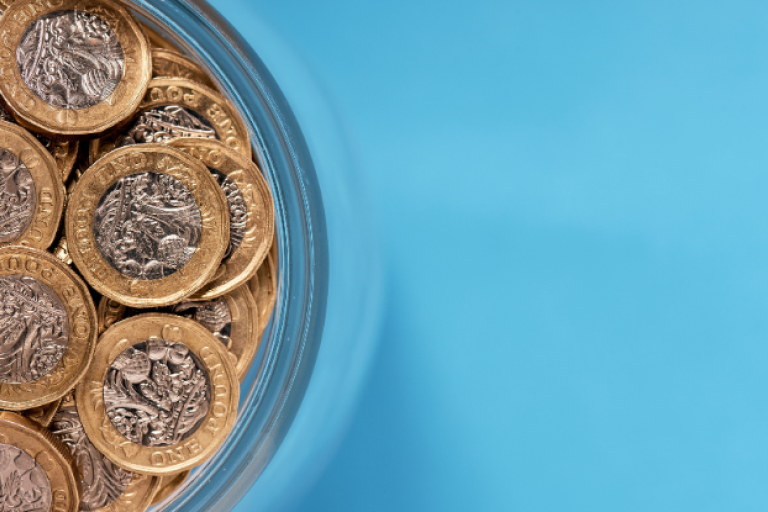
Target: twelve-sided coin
[161,395]
[49,328]
[72,67]
[251,213]
[175,108]
[147,225]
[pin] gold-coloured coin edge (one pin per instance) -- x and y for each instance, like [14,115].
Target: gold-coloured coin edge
[263,287]
[160,460]
[244,340]
[123,162]
[43,415]
[49,186]
[49,453]
[81,314]
[245,328]
[168,485]
[212,106]
[173,64]
[242,264]
[35,113]
[157,40]
[65,153]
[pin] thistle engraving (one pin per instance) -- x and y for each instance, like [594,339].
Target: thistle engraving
[24,486]
[157,393]
[70,59]
[147,225]
[214,315]
[17,197]
[103,482]
[34,329]
[161,124]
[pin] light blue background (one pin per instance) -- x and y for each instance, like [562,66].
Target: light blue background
[572,200]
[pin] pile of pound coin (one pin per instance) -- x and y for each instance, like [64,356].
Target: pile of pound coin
[137,263]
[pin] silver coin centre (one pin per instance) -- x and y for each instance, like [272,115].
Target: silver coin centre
[214,315]
[24,483]
[17,197]
[238,211]
[147,225]
[157,393]
[70,59]
[34,329]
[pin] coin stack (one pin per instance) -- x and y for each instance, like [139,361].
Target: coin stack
[137,264]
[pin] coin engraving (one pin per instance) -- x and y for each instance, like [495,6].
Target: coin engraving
[24,486]
[161,124]
[70,59]
[214,315]
[17,197]
[103,482]
[147,225]
[157,393]
[238,211]
[34,329]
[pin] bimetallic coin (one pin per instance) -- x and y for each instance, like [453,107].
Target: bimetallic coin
[263,287]
[31,190]
[161,395]
[251,213]
[37,473]
[231,318]
[173,64]
[174,108]
[47,328]
[106,487]
[147,225]
[64,152]
[168,485]
[70,67]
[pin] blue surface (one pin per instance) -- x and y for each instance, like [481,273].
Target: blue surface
[573,199]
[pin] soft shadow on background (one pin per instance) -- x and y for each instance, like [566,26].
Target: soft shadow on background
[573,203]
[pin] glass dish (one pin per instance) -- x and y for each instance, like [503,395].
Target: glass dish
[325,319]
